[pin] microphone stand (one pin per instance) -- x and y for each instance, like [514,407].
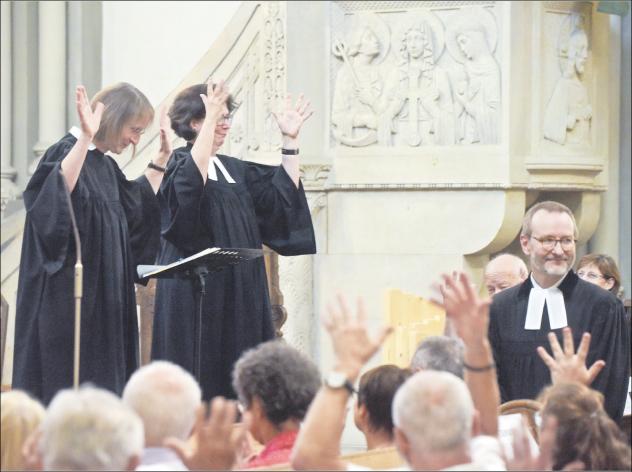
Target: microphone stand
[78,283]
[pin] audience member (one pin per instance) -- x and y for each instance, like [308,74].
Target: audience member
[550,299]
[574,419]
[504,271]
[601,270]
[90,429]
[440,353]
[275,383]
[430,408]
[372,412]
[166,397]
[21,415]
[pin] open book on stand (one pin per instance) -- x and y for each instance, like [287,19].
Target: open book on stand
[213,258]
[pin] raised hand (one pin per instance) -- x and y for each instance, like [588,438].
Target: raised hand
[166,137]
[213,444]
[468,312]
[566,366]
[353,346]
[291,118]
[89,119]
[215,99]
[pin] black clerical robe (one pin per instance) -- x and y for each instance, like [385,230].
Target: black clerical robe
[589,308]
[263,206]
[119,227]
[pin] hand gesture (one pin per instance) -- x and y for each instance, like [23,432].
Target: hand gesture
[524,458]
[292,118]
[469,314]
[89,119]
[215,99]
[566,366]
[353,346]
[213,445]
[166,137]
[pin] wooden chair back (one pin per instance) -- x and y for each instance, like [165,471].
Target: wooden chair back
[528,409]
[413,319]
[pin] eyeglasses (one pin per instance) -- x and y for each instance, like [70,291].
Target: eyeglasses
[590,275]
[549,243]
[225,119]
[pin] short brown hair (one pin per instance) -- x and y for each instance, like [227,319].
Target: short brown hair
[606,265]
[585,432]
[123,103]
[376,392]
[551,207]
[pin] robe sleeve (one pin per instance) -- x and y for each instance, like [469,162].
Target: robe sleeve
[142,212]
[610,341]
[181,193]
[282,211]
[494,341]
[556,113]
[47,209]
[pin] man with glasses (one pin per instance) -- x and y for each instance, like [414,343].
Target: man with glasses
[551,298]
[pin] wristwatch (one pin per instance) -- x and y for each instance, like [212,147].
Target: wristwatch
[336,380]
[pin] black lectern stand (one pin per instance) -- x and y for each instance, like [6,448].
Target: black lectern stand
[196,268]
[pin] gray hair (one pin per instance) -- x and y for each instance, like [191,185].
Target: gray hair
[551,207]
[166,398]
[283,379]
[435,411]
[439,353]
[90,429]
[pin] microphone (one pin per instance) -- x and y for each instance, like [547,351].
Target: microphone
[78,283]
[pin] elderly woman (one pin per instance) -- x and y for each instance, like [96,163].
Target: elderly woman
[275,384]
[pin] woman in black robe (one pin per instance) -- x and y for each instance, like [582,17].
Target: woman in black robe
[118,222]
[221,201]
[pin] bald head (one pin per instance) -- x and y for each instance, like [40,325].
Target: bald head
[504,271]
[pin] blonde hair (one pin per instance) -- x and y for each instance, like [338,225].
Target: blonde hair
[123,103]
[21,415]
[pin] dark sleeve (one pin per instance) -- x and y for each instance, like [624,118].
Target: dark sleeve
[47,209]
[180,197]
[143,217]
[494,341]
[283,216]
[610,341]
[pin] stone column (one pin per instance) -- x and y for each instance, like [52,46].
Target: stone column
[52,76]
[7,172]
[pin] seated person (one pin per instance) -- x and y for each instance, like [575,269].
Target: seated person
[90,429]
[275,385]
[21,415]
[372,412]
[440,353]
[166,397]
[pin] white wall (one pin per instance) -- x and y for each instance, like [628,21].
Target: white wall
[153,45]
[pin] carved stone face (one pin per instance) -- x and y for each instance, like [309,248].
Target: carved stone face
[369,44]
[578,51]
[415,42]
[464,43]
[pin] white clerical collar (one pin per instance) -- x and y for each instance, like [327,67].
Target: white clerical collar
[76,132]
[554,304]
[212,173]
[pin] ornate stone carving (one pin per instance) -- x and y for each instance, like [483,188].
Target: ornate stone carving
[314,176]
[471,39]
[568,113]
[356,104]
[418,97]
[354,5]
[273,72]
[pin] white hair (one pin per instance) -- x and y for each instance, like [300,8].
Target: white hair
[89,429]
[435,411]
[166,398]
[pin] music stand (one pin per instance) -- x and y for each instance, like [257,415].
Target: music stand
[196,268]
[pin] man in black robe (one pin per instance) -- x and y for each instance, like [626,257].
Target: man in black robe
[229,203]
[551,298]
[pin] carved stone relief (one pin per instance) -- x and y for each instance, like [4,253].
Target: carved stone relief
[568,113]
[274,72]
[405,90]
